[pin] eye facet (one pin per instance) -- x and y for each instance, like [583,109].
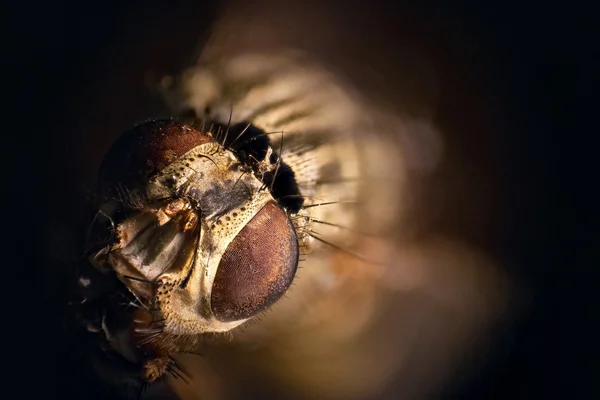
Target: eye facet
[143,151]
[258,266]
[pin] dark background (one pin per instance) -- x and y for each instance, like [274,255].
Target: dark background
[533,60]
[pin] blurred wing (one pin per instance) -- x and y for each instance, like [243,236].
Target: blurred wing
[368,295]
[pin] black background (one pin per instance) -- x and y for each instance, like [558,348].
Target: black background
[536,60]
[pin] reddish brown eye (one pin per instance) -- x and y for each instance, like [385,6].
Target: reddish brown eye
[258,266]
[143,151]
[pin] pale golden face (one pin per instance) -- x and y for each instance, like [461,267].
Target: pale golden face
[208,242]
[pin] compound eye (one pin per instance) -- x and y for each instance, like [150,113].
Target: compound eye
[258,266]
[142,152]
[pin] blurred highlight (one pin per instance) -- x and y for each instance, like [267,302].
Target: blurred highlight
[417,306]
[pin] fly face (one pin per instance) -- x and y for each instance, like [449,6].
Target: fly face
[199,240]
[205,225]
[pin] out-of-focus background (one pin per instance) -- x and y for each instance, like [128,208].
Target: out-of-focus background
[489,76]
